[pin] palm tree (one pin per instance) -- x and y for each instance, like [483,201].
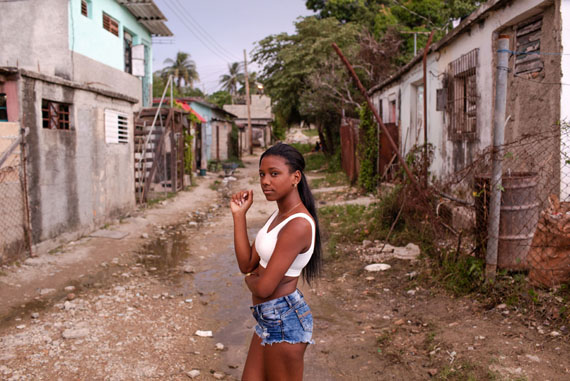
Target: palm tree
[231,80]
[253,81]
[181,68]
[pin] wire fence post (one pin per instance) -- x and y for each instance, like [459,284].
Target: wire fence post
[498,152]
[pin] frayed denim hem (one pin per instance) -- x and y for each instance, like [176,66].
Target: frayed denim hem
[264,341]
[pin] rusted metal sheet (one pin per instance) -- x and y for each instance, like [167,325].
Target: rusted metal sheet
[386,151]
[349,144]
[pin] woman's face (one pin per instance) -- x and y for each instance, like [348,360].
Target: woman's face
[275,177]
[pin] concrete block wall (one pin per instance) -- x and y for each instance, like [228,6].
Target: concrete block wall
[76,180]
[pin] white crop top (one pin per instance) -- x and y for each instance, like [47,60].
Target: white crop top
[265,244]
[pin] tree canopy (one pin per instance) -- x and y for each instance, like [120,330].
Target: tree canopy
[182,68]
[306,79]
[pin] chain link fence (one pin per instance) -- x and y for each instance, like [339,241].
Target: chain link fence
[534,189]
[13,211]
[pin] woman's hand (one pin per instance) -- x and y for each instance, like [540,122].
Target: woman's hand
[241,201]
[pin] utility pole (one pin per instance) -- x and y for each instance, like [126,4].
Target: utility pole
[426,92]
[249,130]
[498,150]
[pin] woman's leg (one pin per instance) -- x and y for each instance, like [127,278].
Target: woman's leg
[284,361]
[253,369]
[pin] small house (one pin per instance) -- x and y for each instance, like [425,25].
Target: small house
[72,74]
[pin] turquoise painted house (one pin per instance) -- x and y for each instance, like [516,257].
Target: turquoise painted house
[117,33]
[73,72]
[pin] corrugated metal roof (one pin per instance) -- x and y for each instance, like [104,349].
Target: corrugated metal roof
[149,15]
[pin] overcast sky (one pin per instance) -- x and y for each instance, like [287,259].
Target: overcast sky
[215,32]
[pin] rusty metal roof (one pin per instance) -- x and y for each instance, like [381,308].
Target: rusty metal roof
[149,15]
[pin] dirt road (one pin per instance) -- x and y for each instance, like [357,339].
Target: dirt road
[130,309]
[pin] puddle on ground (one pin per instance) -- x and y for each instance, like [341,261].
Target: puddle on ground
[164,253]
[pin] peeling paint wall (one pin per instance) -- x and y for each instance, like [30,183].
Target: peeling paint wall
[533,108]
[533,102]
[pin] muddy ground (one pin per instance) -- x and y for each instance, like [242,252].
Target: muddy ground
[130,308]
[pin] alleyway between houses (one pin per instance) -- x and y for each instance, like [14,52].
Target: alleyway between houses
[130,308]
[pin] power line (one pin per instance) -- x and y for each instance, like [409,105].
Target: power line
[205,33]
[207,46]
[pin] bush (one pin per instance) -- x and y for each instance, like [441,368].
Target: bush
[368,151]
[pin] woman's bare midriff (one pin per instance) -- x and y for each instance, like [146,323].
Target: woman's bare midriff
[287,285]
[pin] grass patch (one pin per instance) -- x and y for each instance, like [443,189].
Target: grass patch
[215,185]
[303,148]
[464,371]
[315,161]
[56,250]
[354,223]
[332,179]
[156,200]
[311,133]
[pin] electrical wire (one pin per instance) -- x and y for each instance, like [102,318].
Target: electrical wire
[191,30]
[207,36]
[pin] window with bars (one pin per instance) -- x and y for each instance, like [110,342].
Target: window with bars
[116,127]
[55,115]
[462,95]
[110,24]
[3,108]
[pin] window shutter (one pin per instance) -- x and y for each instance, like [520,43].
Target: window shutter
[110,24]
[138,60]
[528,38]
[116,127]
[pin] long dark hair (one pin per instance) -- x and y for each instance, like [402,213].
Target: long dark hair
[296,162]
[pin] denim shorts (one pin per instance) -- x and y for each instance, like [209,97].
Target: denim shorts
[285,319]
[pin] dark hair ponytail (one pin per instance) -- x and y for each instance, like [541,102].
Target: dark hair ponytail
[296,162]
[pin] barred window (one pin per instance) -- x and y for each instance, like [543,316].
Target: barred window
[110,24]
[462,95]
[55,116]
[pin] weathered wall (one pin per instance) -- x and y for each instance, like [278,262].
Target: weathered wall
[96,74]
[38,35]
[76,180]
[534,105]
[220,141]
[454,155]
[35,36]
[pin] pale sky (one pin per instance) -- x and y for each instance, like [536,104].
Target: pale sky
[215,32]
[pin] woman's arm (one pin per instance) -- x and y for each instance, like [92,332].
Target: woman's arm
[294,238]
[246,255]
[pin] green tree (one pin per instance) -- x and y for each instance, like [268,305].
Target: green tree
[306,79]
[220,98]
[360,11]
[231,80]
[159,83]
[182,68]
[253,81]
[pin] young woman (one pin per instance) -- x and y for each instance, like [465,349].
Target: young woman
[286,247]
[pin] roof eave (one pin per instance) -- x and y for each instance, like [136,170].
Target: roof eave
[149,15]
